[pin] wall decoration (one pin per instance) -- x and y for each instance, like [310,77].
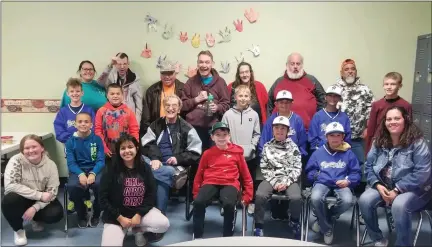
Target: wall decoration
[238,25]
[255,50]
[191,72]
[210,40]
[147,52]
[251,16]
[183,37]
[151,23]
[168,33]
[178,67]
[240,58]
[225,35]
[225,67]
[160,60]
[30,105]
[196,41]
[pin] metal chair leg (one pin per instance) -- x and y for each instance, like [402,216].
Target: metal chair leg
[188,211]
[363,237]
[244,220]
[307,220]
[419,224]
[352,218]
[302,222]
[357,220]
[430,218]
[65,196]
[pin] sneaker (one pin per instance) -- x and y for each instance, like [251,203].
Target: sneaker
[154,237]
[140,240]
[258,232]
[382,242]
[71,207]
[88,204]
[296,228]
[328,237]
[20,238]
[222,211]
[82,223]
[37,226]
[315,227]
[94,222]
[251,209]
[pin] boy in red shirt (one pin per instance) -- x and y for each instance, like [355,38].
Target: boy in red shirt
[218,173]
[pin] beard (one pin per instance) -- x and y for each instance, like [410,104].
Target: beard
[350,79]
[295,76]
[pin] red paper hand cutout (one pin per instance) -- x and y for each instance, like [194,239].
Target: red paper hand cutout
[251,16]
[191,72]
[210,40]
[183,37]
[238,25]
[147,52]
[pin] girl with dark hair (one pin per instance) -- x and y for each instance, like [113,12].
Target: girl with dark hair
[127,196]
[398,170]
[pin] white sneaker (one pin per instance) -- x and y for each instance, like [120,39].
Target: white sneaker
[328,237]
[140,240]
[251,209]
[315,227]
[382,242]
[20,238]
[37,226]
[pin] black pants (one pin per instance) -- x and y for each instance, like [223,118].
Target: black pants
[252,165]
[14,207]
[204,135]
[228,196]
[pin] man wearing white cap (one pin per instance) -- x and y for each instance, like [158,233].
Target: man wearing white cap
[281,167]
[332,169]
[330,113]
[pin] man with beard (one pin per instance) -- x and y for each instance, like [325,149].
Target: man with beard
[197,90]
[118,72]
[307,90]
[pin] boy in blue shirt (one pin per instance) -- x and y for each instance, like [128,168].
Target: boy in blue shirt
[85,160]
[333,170]
[322,118]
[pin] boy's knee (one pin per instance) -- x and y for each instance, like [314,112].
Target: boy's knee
[347,199]
[163,225]
[296,197]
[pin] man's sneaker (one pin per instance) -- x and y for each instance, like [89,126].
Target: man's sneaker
[315,227]
[382,242]
[258,232]
[94,221]
[140,240]
[71,207]
[251,209]
[296,228]
[37,226]
[82,223]
[20,238]
[328,237]
[153,237]
[88,204]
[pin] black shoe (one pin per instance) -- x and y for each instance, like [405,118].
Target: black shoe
[153,237]
[82,223]
[94,222]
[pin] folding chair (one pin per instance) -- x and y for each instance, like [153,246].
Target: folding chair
[65,203]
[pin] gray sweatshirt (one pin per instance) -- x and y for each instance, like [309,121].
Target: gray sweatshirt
[245,129]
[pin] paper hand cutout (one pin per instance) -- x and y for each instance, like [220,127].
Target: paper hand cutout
[183,37]
[195,41]
[147,52]
[225,68]
[226,35]
[191,72]
[160,60]
[210,40]
[255,50]
[240,58]
[151,23]
[168,33]
[178,67]
[251,16]
[238,25]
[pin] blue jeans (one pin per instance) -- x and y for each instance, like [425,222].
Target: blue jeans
[79,193]
[402,208]
[358,147]
[326,216]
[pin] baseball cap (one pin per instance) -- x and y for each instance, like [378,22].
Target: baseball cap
[219,125]
[334,127]
[334,90]
[167,66]
[284,94]
[281,120]
[346,62]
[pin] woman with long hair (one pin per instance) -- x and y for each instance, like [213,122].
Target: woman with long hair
[127,196]
[398,170]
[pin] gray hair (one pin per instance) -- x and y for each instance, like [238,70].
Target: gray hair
[174,96]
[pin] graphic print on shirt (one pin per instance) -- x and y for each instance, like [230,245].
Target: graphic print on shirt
[339,164]
[323,127]
[70,123]
[93,151]
[133,193]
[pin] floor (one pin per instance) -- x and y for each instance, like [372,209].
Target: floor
[181,230]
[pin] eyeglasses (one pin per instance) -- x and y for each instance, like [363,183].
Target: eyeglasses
[87,70]
[175,106]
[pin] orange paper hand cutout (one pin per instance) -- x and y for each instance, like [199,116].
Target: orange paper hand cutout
[238,25]
[191,72]
[210,40]
[147,53]
[196,41]
[183,37]
[251,16]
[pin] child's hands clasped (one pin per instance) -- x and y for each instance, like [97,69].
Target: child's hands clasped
[342,183]
[280,187]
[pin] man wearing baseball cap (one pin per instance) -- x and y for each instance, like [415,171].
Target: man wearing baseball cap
[152,102]
[334,168]
[330,113]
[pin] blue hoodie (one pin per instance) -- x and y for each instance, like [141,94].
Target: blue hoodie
[64,123]
[316,134]
[85,155]
[297,132]
[326,167]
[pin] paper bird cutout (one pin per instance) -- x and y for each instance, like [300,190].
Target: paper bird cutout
[240,58]
[160,60]
[147,52]
[226,35]
[238,25]
[183,37]
[191,72]
[151,23]
[225,67]
[196,41]
[210,40]
[255,50]
[168,33]
[251,16]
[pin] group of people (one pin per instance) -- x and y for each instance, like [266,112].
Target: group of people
[242,144]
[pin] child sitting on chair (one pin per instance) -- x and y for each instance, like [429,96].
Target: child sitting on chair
[281,167]
[333,169]
[218,174]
